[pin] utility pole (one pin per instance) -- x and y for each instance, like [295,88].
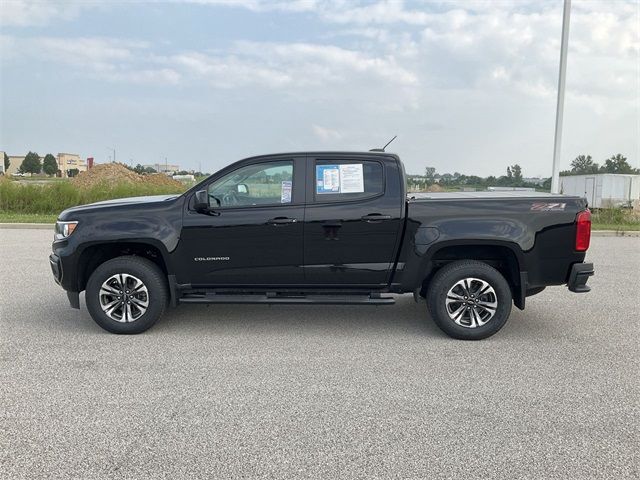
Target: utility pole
[562,77]
[114,153]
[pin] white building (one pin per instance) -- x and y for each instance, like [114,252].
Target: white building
[167,168]
[603,190]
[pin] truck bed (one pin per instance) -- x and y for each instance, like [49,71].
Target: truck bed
[484,195]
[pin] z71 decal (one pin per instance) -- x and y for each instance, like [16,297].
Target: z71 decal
[548,207]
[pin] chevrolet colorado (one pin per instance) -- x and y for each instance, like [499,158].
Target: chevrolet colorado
[321,228]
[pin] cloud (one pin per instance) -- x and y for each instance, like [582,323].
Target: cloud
[98,58]
[259,5]
[326,134]
[263,64]
[24,13]
[291,66]
[483,71]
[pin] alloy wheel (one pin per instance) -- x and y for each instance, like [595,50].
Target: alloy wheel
[124,298]
[471,302]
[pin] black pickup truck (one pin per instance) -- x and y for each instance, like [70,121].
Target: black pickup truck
[321,228]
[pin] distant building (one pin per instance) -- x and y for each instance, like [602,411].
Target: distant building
[70,161]
[66,162]
[535,180]
[511,189]
[167,168]
[14,163]
[184,178]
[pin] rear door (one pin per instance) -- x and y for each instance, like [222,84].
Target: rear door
[352,220]
[254,237]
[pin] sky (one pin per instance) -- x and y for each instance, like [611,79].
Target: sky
[468,86]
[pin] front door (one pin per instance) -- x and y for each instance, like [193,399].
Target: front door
[352,221]
[254,233]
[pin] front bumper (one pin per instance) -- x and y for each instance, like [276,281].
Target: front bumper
[56,267]
[580,273]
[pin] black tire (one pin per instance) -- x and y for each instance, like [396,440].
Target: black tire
[148,273]
[446,278]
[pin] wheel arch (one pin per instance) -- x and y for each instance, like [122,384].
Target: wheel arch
[95,254]
[506,257]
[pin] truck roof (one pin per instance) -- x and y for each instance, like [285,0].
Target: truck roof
[332,153]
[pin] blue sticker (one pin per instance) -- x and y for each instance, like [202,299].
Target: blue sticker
[327,179]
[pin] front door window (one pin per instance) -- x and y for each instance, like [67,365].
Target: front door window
[252,185]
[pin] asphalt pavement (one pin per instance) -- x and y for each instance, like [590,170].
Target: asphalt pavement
[323,392]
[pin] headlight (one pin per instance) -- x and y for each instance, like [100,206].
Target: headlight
[64,229]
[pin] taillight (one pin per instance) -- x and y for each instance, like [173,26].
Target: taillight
[583,230]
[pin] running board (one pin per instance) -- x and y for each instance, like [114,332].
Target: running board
[283,299]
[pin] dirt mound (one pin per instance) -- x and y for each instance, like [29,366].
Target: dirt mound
[160,179]
[435,188]
[116,173]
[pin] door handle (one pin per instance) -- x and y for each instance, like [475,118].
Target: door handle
[281,221]
[375,217]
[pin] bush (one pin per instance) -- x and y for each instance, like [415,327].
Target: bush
[616,218]
[55,197]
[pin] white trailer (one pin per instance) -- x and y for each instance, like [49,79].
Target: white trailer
[603,190]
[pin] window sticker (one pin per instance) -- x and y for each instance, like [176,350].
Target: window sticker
[351,178]
[285,191]
[327,179]
[345,178]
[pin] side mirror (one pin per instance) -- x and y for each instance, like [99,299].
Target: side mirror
[242,188]
[201,203]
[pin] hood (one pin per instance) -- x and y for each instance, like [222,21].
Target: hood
[130,200]
[118,202]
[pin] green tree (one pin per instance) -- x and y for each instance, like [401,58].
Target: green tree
[72,172]
[446,179]
[49,164]
[516,170]
[509,173]
[429,172]
[31,163]
[140,169]
[7,162]
[617,164]
[474,180]
[583,164]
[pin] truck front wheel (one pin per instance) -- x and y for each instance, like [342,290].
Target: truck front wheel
[126,294]
[469,300]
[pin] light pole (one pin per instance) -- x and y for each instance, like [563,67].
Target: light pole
[114,153]
[557,141]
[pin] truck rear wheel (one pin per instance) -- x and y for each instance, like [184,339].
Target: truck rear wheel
[469,300]
[126,295]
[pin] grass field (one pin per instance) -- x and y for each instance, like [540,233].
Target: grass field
[50,199]
[618,219]
[8,217]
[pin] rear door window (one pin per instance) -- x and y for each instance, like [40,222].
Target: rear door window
[343,180]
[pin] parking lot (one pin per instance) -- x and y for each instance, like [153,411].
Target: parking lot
[319,392]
